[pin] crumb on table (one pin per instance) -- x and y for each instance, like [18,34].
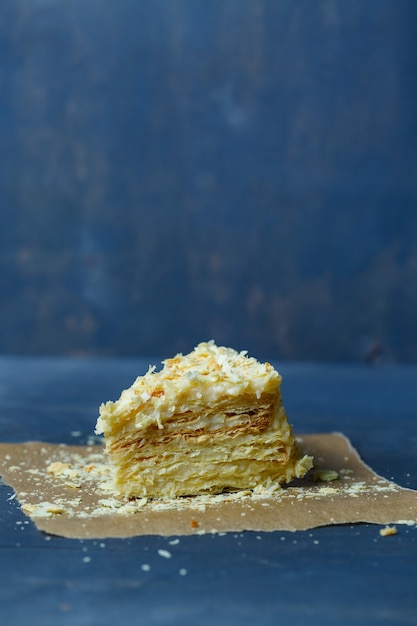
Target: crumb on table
[387,531]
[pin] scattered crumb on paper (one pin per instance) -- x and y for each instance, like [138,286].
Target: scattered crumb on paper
[67,491]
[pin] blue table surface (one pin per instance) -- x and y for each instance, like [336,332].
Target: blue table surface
[343,574]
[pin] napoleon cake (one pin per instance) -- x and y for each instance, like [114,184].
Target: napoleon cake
[209,421]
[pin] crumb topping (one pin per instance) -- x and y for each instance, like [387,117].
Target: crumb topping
[203,374]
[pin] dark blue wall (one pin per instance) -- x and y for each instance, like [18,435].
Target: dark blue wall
[176,170]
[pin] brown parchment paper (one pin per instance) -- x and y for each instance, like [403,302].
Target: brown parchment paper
[66,491]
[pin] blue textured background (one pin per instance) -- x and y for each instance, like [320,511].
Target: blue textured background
[176,170]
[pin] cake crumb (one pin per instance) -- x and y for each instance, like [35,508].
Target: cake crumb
[165,554]
[325,475]
[28,508]
[387,531]
[57,467]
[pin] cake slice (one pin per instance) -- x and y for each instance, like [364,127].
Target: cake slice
[209,421]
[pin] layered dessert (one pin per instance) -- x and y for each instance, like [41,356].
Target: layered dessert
[207,422]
